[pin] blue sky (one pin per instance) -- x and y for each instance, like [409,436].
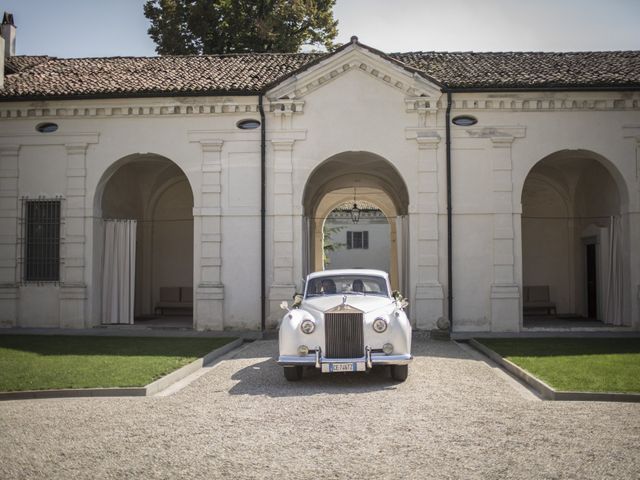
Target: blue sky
[95,28]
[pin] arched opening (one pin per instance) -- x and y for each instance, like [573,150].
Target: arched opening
[365,243]
[380,191]
[572,242]
[155,193]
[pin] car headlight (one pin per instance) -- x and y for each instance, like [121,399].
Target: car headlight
[307,326]
[380,325]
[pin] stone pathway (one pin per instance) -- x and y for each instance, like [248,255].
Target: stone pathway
[455,417]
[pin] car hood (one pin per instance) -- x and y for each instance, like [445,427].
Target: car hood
[365,303]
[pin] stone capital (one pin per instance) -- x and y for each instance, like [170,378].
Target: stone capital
[211,145]
[502,141]
[9,150]
[428,142]
[283,145]
[76,148]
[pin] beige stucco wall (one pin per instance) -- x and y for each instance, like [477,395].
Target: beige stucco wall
[371,106]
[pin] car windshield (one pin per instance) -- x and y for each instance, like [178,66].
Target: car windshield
[346,284]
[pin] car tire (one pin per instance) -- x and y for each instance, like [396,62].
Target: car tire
[399,372]
[293,374]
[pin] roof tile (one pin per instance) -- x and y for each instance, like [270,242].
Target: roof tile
[30,77]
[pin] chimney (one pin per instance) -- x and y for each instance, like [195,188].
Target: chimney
[9,35]
[1,62]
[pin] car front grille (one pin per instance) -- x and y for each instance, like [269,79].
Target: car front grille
[344,336]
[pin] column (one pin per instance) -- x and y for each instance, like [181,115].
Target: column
[209,292]
[505,292]
[283,286]
[73,289]
[632,236]
[429,298]
[9,212]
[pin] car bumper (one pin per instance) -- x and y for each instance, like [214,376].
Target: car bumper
[370,359]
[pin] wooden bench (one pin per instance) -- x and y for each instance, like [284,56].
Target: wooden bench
[536,299]
[175,298]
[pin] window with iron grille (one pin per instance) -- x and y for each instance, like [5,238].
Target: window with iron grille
[358,240]
[41,240]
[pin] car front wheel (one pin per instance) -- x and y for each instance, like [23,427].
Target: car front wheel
[293,374]
[399,372]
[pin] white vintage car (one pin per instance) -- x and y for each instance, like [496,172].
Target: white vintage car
[346,321]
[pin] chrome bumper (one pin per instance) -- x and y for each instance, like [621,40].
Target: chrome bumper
[315,359]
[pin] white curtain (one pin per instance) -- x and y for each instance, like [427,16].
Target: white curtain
[118,271]
[613,280]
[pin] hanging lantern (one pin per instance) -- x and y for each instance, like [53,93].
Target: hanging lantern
[355,214]
[355,211]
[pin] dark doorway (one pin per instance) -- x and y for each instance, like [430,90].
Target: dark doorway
[592,289]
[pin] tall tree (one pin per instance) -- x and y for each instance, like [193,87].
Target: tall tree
[237,26]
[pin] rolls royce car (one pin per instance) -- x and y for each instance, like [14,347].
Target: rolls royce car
[345,321]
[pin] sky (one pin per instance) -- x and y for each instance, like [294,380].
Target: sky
[98,28]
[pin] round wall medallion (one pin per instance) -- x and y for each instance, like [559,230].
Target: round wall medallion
[47,127]
[464,120]
[248,124]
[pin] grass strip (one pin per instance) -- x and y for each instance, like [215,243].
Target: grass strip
[43,362]
[576,364]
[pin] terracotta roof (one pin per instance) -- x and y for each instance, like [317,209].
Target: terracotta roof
[35,77]
[22,62]
[141,76]
[528,69]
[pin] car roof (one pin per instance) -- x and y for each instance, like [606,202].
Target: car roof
[349,271]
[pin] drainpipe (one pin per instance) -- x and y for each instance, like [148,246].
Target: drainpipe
[263,212]
[449,215]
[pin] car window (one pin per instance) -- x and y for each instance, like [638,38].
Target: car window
[346,284]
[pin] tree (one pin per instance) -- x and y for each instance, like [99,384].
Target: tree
[328,245]
[180,27]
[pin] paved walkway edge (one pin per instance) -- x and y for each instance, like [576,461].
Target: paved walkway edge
[187,370]
[547,392]
[148,390]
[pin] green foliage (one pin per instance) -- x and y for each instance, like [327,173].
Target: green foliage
[328,245]
[33,362]
[181,27]
[576,364]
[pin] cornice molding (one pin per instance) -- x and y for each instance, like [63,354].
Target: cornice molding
[543,103]
[56,138]
[77,110]
[420,97]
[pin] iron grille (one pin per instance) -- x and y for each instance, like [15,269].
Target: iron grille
[344,336]
[41,240]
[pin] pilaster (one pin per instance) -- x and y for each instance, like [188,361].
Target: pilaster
[9,211]
[283,286]
[429,295]
[73,290]
[505,292]
[209,291]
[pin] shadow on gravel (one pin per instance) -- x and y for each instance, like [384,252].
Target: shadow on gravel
[266,377]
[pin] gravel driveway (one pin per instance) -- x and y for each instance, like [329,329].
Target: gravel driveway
[455,417]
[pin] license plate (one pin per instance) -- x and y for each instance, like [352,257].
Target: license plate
[343,367]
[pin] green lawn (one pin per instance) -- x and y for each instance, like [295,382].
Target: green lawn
[30,362]
[576,364]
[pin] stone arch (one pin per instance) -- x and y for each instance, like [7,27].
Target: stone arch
[377,181]
[572,201]
[156,192]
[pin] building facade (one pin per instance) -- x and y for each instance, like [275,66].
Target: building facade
[497,173]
